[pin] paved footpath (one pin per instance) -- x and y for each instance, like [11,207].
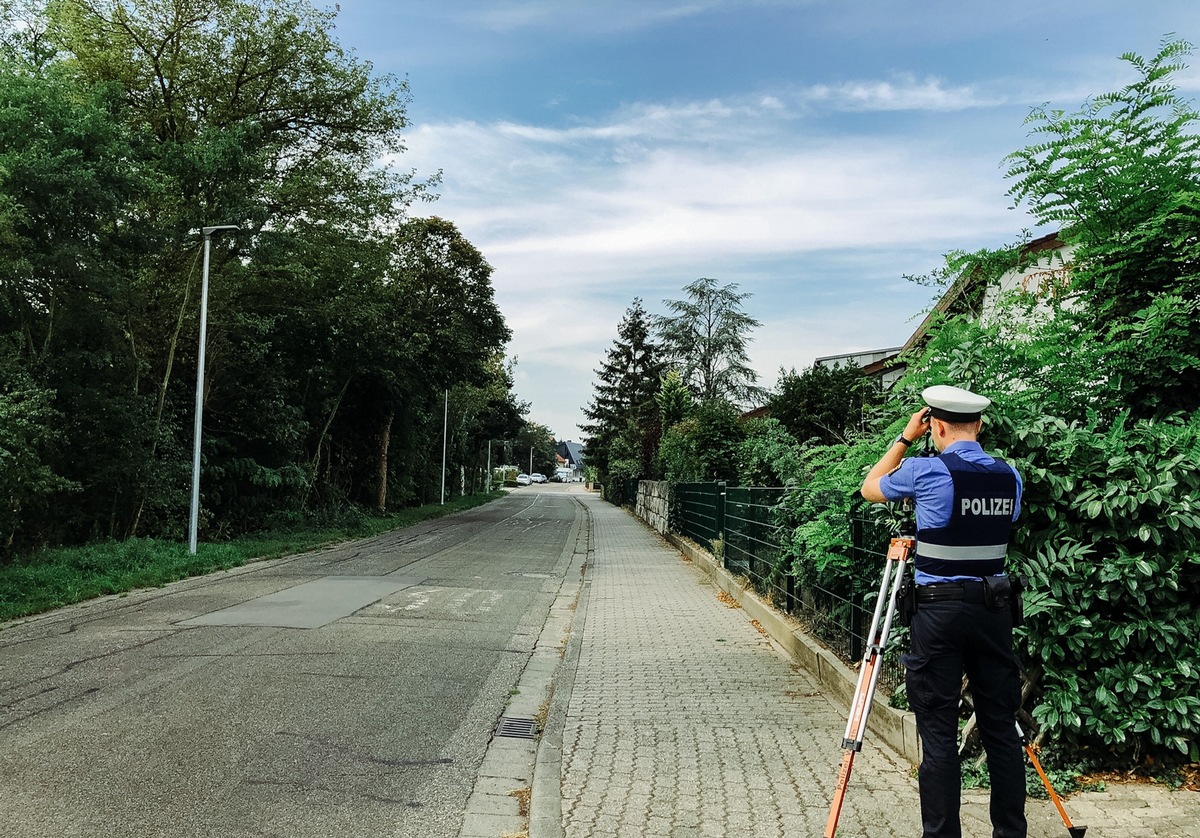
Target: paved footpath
[684,720]
[677,717]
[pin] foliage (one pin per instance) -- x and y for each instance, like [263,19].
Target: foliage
[822,503]
[704,447]
[336,323]
[824,403]
[623,427]
[1122,177]
[674,400]
[769,455]
[27,438]
[707,340]
[1095,403]
[536,440]
[1109,533]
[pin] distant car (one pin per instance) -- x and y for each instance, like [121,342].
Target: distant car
[523,480]
[537,477]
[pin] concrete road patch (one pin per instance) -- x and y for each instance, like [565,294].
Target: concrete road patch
[309,605]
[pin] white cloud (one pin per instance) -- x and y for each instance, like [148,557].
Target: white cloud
[904,92]
[579,219]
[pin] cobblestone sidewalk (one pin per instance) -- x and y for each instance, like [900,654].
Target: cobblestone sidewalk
[684,720]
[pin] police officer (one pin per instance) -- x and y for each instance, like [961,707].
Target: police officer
[966,502]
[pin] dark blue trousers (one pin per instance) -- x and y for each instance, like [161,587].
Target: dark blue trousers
[950,639]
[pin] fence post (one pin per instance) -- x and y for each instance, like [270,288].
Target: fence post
[856,609]
[720,520]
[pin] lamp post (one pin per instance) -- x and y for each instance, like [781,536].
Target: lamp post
[195,512]
[445,427]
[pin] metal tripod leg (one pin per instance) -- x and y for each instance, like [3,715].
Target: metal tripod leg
[1072,830]
[868,674]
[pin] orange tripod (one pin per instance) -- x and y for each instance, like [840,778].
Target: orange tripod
[899,552]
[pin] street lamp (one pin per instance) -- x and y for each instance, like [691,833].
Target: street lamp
[195,516]
[445,439]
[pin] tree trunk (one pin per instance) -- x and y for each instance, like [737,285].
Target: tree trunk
[162,394]
[316,460]
[384,438]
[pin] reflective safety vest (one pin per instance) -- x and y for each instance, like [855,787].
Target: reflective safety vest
[975,540]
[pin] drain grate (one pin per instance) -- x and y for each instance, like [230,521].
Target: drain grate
[516,728]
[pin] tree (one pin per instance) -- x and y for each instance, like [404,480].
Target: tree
[534,449]
[674,400]
[67,171]
[623,428]
[1122,177]
[706,340]
[336,323]
[705,446]
[425,325]
[29,443]
[483,414]
[23,40]
[824,404]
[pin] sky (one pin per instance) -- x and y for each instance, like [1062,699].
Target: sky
[813,152]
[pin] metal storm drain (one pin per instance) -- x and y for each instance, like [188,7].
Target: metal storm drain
[516,728]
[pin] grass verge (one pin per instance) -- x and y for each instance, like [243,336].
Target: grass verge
[53,578]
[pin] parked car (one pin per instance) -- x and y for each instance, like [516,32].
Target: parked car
[523,479]
[537,477]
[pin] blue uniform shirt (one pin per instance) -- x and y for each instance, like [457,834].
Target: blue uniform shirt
[927,481]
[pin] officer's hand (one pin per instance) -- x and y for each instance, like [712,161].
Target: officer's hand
[917,425]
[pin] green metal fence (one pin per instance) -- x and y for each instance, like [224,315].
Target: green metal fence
[622,491]
[746,526]
[698,511]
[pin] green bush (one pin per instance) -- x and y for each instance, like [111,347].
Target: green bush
[1109,530]
[1109,533]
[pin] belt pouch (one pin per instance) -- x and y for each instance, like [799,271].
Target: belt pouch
[997,592]
[906,602]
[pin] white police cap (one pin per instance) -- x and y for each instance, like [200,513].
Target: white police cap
[954,404]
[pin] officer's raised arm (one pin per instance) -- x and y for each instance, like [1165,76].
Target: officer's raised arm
[918,425]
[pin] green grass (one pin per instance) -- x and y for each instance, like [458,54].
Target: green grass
[53,578]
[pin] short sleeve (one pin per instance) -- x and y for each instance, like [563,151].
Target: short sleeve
[927,481]
[900,482]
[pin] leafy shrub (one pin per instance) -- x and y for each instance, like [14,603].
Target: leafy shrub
[1109,532]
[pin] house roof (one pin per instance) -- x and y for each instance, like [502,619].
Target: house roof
[958,297]
[572,452]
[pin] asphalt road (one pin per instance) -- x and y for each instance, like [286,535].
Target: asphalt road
[349,691]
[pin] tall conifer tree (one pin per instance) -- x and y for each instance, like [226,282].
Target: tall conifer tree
[624,428]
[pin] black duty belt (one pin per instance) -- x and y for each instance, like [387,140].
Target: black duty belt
[948,591]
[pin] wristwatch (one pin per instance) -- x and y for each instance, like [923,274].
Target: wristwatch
[900,439]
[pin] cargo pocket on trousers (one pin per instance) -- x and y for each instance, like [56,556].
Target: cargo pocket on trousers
[916,680]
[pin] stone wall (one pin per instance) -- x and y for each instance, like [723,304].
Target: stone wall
[654,504]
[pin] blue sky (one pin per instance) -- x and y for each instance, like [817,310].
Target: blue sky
[814,152]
